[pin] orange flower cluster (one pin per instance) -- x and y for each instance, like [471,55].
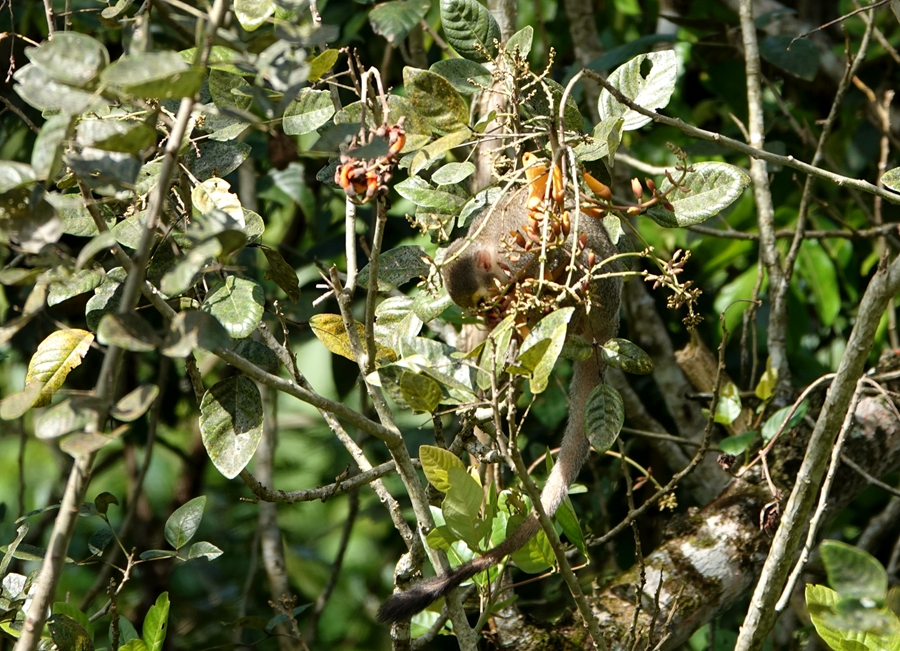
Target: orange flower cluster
[363,179]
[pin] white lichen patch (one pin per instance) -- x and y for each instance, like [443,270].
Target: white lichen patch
[708,551]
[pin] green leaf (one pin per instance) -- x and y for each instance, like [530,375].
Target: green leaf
[55,357]
[107,172]
[157,75]
[127,633]
[553,328]
[70,415]
[134,645]
[46,157]
[800,57]
[156,622]
[462,505]
[739,443]
[604,416]
[536,555]
[221,58]
[651,92]
[396,19]
[184,522]
[538,106]
[623,354]
[397,266]
[193,329]
[15,175]
[70,58]
[230,90]
[70,610]
[252,14]
[81,282]
[421,193]
[116,134]
[322,63]
[231,422]
[441,363]
[217,158]
[851,627]
[459,71]
[129,331]
[42,92]
[155,554]
[774,422]
[100,242]
[420,391]
[99,541]
[238,304]
[728,407]
[259,354]
[68,634]
[204,550]
[135,404]
[853,572]
[435,99]
[103,500]
[453,173]
[891,179]
[708,190]
[606,138]
[521,40]
[818,270]
[765,388]
[180,277]
[436,150]
[470,29]
[436,464]
[309,111]
[281,273]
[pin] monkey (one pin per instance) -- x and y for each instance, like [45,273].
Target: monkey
[498,259]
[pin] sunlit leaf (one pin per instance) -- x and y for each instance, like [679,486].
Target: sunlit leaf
[231,422]
[54,358]
[436,464]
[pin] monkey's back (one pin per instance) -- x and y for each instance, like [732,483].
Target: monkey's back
[520,236]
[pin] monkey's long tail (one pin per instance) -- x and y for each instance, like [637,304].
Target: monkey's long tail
[402,605]
[575,448]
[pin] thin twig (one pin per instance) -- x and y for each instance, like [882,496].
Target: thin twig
[869,478]
[823,502]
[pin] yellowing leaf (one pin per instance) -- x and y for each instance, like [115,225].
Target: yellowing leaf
[329,329]
[54,358]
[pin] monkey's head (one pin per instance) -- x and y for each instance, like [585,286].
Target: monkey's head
[472,274]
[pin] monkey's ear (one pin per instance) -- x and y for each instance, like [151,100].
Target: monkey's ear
[485,260]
